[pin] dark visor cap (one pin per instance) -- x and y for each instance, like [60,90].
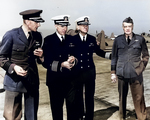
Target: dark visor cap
[33,15]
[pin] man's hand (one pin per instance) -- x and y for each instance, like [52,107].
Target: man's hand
[38,52]
[71,60]
[66,64]
[114,78]
[20,71]
[69,63]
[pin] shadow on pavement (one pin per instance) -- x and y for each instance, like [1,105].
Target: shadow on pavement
[105,114]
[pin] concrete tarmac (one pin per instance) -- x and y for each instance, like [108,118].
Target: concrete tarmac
[106,94]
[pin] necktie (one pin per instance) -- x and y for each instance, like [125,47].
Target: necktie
[83,39]
[30,37]
[63,40]
[128,40]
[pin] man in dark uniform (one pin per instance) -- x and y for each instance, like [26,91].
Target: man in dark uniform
[86,45]
[17,57]
[129,59]
[59,62]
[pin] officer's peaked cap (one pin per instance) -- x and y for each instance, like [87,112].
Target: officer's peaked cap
[32,14]
[61,20]
[84,20]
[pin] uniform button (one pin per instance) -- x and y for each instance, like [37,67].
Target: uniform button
[81,54]
[81,67]
[59,55]
[88,66]
[68,55]
[87,59]
[80,60]
[87,53]
[17,49]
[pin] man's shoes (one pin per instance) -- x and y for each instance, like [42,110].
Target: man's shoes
[2,90]
[83,118]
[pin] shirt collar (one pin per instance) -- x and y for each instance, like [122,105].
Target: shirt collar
[83,36]
[130,36]
[60,36]
[25,30]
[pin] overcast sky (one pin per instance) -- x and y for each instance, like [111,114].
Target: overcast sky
[104,15]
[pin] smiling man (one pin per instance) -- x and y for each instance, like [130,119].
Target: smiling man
[86,46]
[129,59]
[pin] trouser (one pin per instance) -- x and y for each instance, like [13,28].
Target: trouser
[60,90]
[13,106]
[86,106]
[137,91]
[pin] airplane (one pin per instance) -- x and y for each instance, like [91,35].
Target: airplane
[106,42]
[146,36]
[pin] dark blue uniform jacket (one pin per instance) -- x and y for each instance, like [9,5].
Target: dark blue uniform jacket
[56,52]
[15,49]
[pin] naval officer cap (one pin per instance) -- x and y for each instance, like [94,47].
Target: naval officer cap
[61,20]
[128,20]
[84,20]
[32,14]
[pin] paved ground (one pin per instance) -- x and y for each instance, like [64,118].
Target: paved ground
[106,95]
